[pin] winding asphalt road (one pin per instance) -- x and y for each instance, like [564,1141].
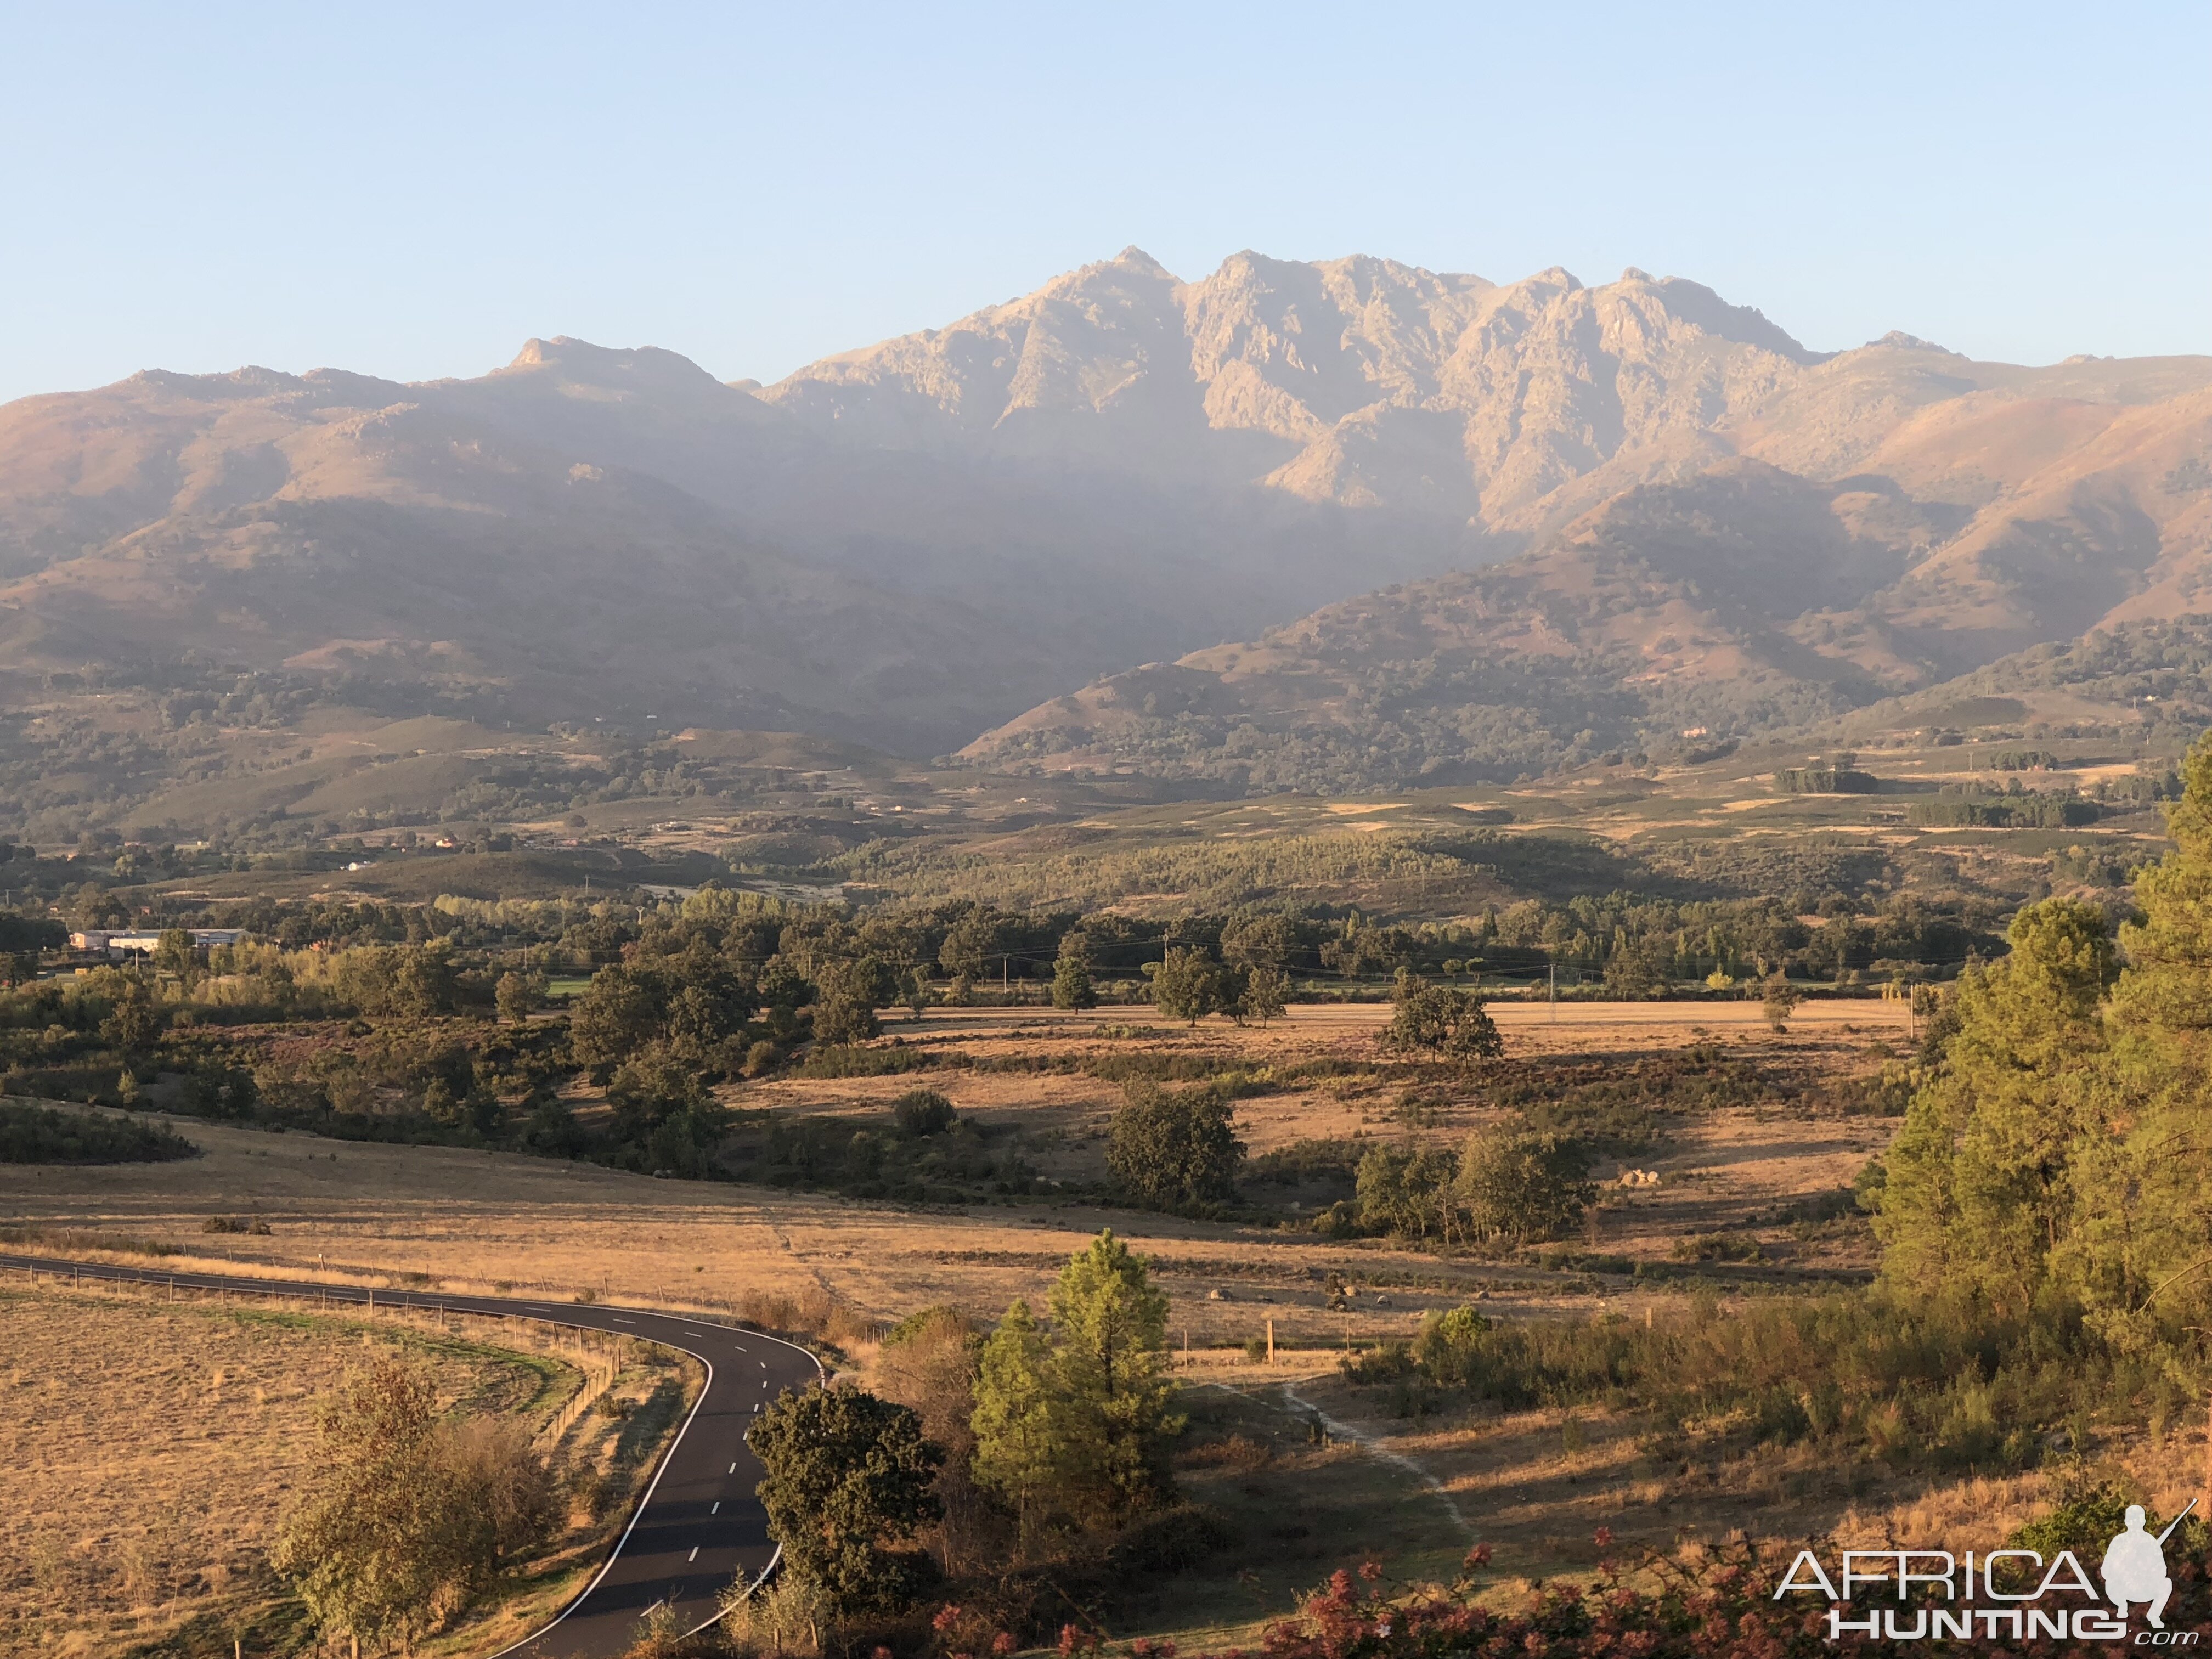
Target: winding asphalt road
[699,1521]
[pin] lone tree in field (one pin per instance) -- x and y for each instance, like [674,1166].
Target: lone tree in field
[1187,985]
[412,1516]
[1437,1019]
[1780,997]
[849,1480]
[1070,974]
[1165,1148]
[1267,994]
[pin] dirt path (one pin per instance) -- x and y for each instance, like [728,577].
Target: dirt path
[1367,1442]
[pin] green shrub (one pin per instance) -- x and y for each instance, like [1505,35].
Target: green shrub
[40,1135]
[920,1112]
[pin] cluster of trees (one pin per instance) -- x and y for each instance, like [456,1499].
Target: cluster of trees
[1187,984]
[2011,808]
[2060,1151]
[1513,1185]
[1002,1448]
[1915,1377]
[926,1153]
[39,1135]
[1437,1019]
[1643,946]
[1837,777]
[2052,1182]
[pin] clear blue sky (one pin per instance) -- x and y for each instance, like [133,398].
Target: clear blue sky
[412,191]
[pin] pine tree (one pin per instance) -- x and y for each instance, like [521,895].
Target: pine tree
[2145,1243]
[1016,1421]
[1983,1179]
[1109,1354]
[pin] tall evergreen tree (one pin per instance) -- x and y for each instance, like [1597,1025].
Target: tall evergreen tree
[2143,1253]
[1983,1181]
[1108,1366]
[1016,1421]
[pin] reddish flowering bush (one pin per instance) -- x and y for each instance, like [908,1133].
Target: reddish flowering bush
[965,1633]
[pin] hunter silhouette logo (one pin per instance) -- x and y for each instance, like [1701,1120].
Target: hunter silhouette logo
[1997,1595]
[2134,1568]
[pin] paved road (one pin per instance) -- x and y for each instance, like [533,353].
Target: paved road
[699,1522]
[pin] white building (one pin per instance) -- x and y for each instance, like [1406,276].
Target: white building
[119,944]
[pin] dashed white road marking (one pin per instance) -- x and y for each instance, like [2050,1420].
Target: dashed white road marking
[694,1556]
[734,1468]
[717,1510]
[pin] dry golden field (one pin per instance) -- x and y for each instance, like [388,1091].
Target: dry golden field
[151,1446]
[488,1220]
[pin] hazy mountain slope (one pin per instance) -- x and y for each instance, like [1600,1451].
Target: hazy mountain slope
[2116,528]
[270,519]
[1666,608]
[1738,601]
[941,594]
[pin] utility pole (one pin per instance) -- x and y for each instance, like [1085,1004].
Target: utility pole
[1555,993]
[1271,1339]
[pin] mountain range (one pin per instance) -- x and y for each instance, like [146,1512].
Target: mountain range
[1447,527]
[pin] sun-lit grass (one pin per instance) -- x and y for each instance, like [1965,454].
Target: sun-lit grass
[152,1446]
